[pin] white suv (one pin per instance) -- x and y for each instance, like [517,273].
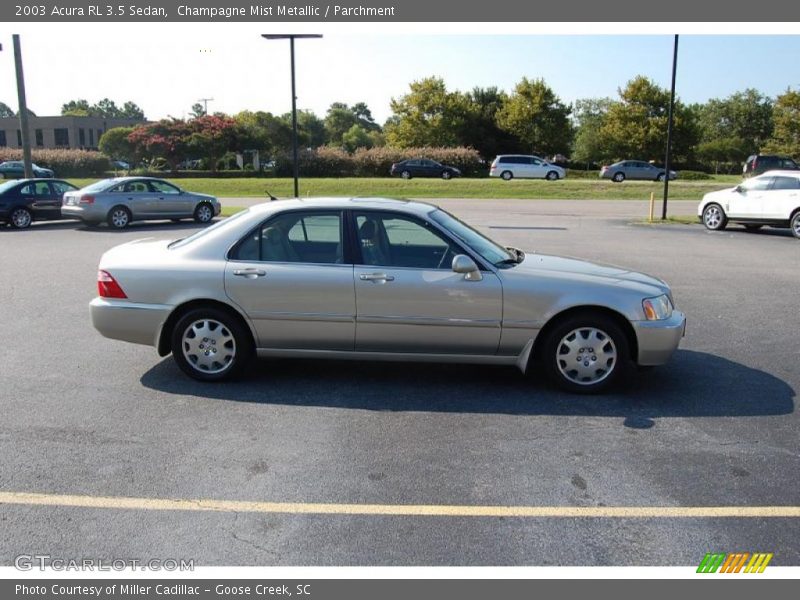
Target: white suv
[508,166]
[772,198]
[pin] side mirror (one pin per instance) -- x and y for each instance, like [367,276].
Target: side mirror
[464,264]
[738,189]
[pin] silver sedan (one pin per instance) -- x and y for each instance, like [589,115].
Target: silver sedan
[376,279]
[634,169]
[121,200]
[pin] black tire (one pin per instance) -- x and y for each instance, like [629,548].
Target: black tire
[551,176]
[714,217]
[752,227]
[199,360]
[618,177]
[406,174]
[20,218]
[600,344]
[119,217]
[446,175]
[660,177]
[204,213]
[795,224]
[506,176]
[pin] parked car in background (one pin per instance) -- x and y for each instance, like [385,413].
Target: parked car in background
[27,200]
[423,167]
[757,164]
[121,164]
[379,279]
[121,200]
[772,198]
[15,169]
[634,169]
[525,166]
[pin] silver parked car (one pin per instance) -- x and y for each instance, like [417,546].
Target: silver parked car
[121,200]
[379,279]
[634,169]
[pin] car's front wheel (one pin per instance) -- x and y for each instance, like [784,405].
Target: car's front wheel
[21,218]
[210,345]
[586,353]
[795,224]
[714,217]
[203,213]
[551,176]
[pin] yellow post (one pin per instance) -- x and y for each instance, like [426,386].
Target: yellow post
[652,200]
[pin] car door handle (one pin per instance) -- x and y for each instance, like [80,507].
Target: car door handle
[376,277]
[249,273]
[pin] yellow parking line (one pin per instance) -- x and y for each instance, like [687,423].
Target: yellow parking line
[433,510]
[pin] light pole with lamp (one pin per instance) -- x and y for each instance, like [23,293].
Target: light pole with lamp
[291,37]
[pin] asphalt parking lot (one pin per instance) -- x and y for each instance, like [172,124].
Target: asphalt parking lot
[718,427]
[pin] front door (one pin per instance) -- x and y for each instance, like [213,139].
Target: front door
[289,277]
[166,200]
[748,203]
[408,299]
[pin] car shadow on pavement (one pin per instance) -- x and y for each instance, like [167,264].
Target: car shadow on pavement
[694,384]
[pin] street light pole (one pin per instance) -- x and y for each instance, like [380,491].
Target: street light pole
[291,37]
[669,130]
[23,110]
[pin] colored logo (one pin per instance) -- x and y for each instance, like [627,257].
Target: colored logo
[735,562]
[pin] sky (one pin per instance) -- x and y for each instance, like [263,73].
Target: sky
[165,70]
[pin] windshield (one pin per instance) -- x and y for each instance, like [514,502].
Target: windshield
[196,236]
[489,250]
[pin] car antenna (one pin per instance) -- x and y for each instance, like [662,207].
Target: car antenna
[270,196]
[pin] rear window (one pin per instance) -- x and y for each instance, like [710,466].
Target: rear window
[99,186]
[786,183]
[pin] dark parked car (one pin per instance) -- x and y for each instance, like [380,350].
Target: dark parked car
[423,167]
[14,169]
[757,164]
[28,200]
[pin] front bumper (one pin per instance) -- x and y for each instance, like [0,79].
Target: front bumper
[129,321]
[657,340]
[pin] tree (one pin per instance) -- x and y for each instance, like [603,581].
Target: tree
[535,115]
[6,111]
[636,125]
[356,137]
[211,136]
[197,110]
[481,130]
[115,144]
[105,108]
[786,136]
[310,128]
[588,116]
[744,116]
[167,139]
[428,115]
[75,108]
[340,118]
[130,110]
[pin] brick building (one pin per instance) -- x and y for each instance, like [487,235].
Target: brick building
[60,132]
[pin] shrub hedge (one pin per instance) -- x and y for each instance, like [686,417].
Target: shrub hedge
[65,163]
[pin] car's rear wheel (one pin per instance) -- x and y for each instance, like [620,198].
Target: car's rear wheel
[753,227]
[714,217]
[446,175]
[551,176]
[586,353]
[21,218]
[119,217]
[795,224]
[406,174]
[203,213]
[210,345]
[507,175]
[618,177]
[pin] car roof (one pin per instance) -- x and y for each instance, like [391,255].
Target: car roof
[358,203]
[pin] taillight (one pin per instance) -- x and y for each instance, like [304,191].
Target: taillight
[107,286]
[87,199]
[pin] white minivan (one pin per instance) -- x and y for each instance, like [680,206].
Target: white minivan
[525,166]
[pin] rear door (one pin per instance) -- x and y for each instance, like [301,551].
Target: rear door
[288,275]
[782,198]
[409,300]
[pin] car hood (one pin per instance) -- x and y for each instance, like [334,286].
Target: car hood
[538,265]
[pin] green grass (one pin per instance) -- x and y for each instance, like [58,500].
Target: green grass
[567,189]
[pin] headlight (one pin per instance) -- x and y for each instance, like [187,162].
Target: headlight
[658,308]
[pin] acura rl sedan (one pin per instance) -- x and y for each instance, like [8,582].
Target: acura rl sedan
[378,279]
[121,200]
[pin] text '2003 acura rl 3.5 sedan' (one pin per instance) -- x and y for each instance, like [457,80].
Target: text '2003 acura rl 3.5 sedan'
[379,279]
